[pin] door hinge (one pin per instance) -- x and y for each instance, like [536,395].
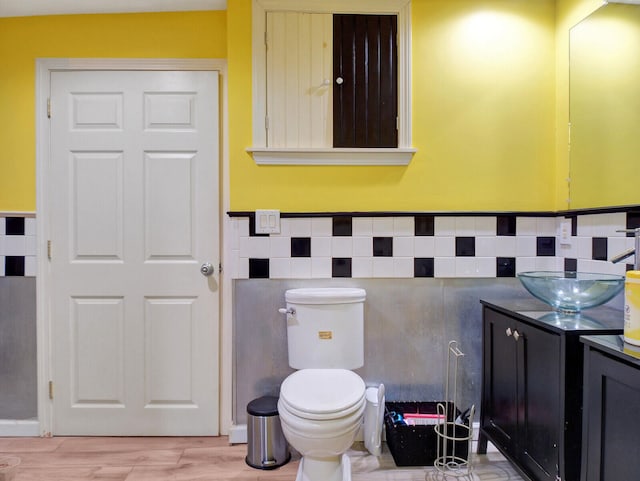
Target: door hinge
[397,123]
[220,267]
[266,123]
[266,40]
[49,108]
[50,389]
[49,249]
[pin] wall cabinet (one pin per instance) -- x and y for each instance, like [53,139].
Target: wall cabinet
[612,396]
[532,389]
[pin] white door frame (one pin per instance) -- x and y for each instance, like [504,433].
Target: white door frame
[44,67]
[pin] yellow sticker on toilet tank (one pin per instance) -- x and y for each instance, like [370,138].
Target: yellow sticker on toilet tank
[325,334]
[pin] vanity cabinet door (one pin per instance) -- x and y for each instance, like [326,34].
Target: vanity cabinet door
[499,413]
[611,450]
[539,401]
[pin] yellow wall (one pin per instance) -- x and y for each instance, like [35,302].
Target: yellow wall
[483,119]
[23,39]
[490,105]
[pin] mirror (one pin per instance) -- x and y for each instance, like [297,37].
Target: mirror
[604,108]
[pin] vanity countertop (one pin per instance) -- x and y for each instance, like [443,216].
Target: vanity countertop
[598,320]
[614,346]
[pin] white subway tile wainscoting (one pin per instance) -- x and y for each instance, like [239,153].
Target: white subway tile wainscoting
[343,245]
[378,245]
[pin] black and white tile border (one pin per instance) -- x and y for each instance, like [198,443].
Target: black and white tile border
[394,246]
[405,246]
[17,246]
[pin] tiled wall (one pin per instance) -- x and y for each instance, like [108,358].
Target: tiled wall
[17,246]
[396,246]
[405,246]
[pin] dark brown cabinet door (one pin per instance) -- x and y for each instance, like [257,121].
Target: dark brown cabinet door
[500,398]
[612,397]
[539,419]
[365,87]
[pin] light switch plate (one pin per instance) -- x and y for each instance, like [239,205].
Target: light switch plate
[565,233]
[267,221]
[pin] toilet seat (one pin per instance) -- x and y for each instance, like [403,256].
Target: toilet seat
[319,428]
[322,394]
[317,404]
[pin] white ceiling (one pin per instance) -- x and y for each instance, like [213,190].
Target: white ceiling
[22,8]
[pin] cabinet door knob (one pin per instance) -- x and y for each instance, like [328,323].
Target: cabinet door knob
[509,332]
[516,335]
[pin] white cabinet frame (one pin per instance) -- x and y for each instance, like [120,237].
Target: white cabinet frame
[265,155]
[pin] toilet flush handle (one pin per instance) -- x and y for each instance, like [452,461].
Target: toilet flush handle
[291,311]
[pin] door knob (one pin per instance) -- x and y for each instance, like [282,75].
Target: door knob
[206,269]
[339,80]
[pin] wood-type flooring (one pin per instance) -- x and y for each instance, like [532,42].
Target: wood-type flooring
[199,459]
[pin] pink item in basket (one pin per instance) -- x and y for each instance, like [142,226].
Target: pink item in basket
[421,418]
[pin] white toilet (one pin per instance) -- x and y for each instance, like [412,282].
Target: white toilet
[321,405]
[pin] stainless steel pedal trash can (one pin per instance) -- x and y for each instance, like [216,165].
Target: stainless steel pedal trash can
[266,446]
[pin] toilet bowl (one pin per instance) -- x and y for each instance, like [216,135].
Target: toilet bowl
[321,405]
[321,411]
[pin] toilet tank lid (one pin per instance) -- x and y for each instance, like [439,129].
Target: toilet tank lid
[325,295]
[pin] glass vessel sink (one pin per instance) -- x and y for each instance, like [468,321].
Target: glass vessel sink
[572,291]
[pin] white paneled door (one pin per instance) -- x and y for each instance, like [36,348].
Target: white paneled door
[134,216]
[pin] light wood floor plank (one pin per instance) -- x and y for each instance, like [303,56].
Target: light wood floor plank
[74,473]
[108,444]
[111,458]
[33,445]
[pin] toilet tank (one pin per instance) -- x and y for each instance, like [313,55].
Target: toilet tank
[325,327]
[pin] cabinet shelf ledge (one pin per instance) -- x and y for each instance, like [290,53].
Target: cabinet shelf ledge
[329,156]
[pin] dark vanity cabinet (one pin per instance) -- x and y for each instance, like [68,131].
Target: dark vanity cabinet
[611,429]
[523,375]
[532,386]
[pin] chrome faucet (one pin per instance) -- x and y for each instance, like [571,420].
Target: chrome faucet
[628,253]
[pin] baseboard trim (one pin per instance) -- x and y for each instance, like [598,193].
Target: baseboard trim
[238,434]
[27,428]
